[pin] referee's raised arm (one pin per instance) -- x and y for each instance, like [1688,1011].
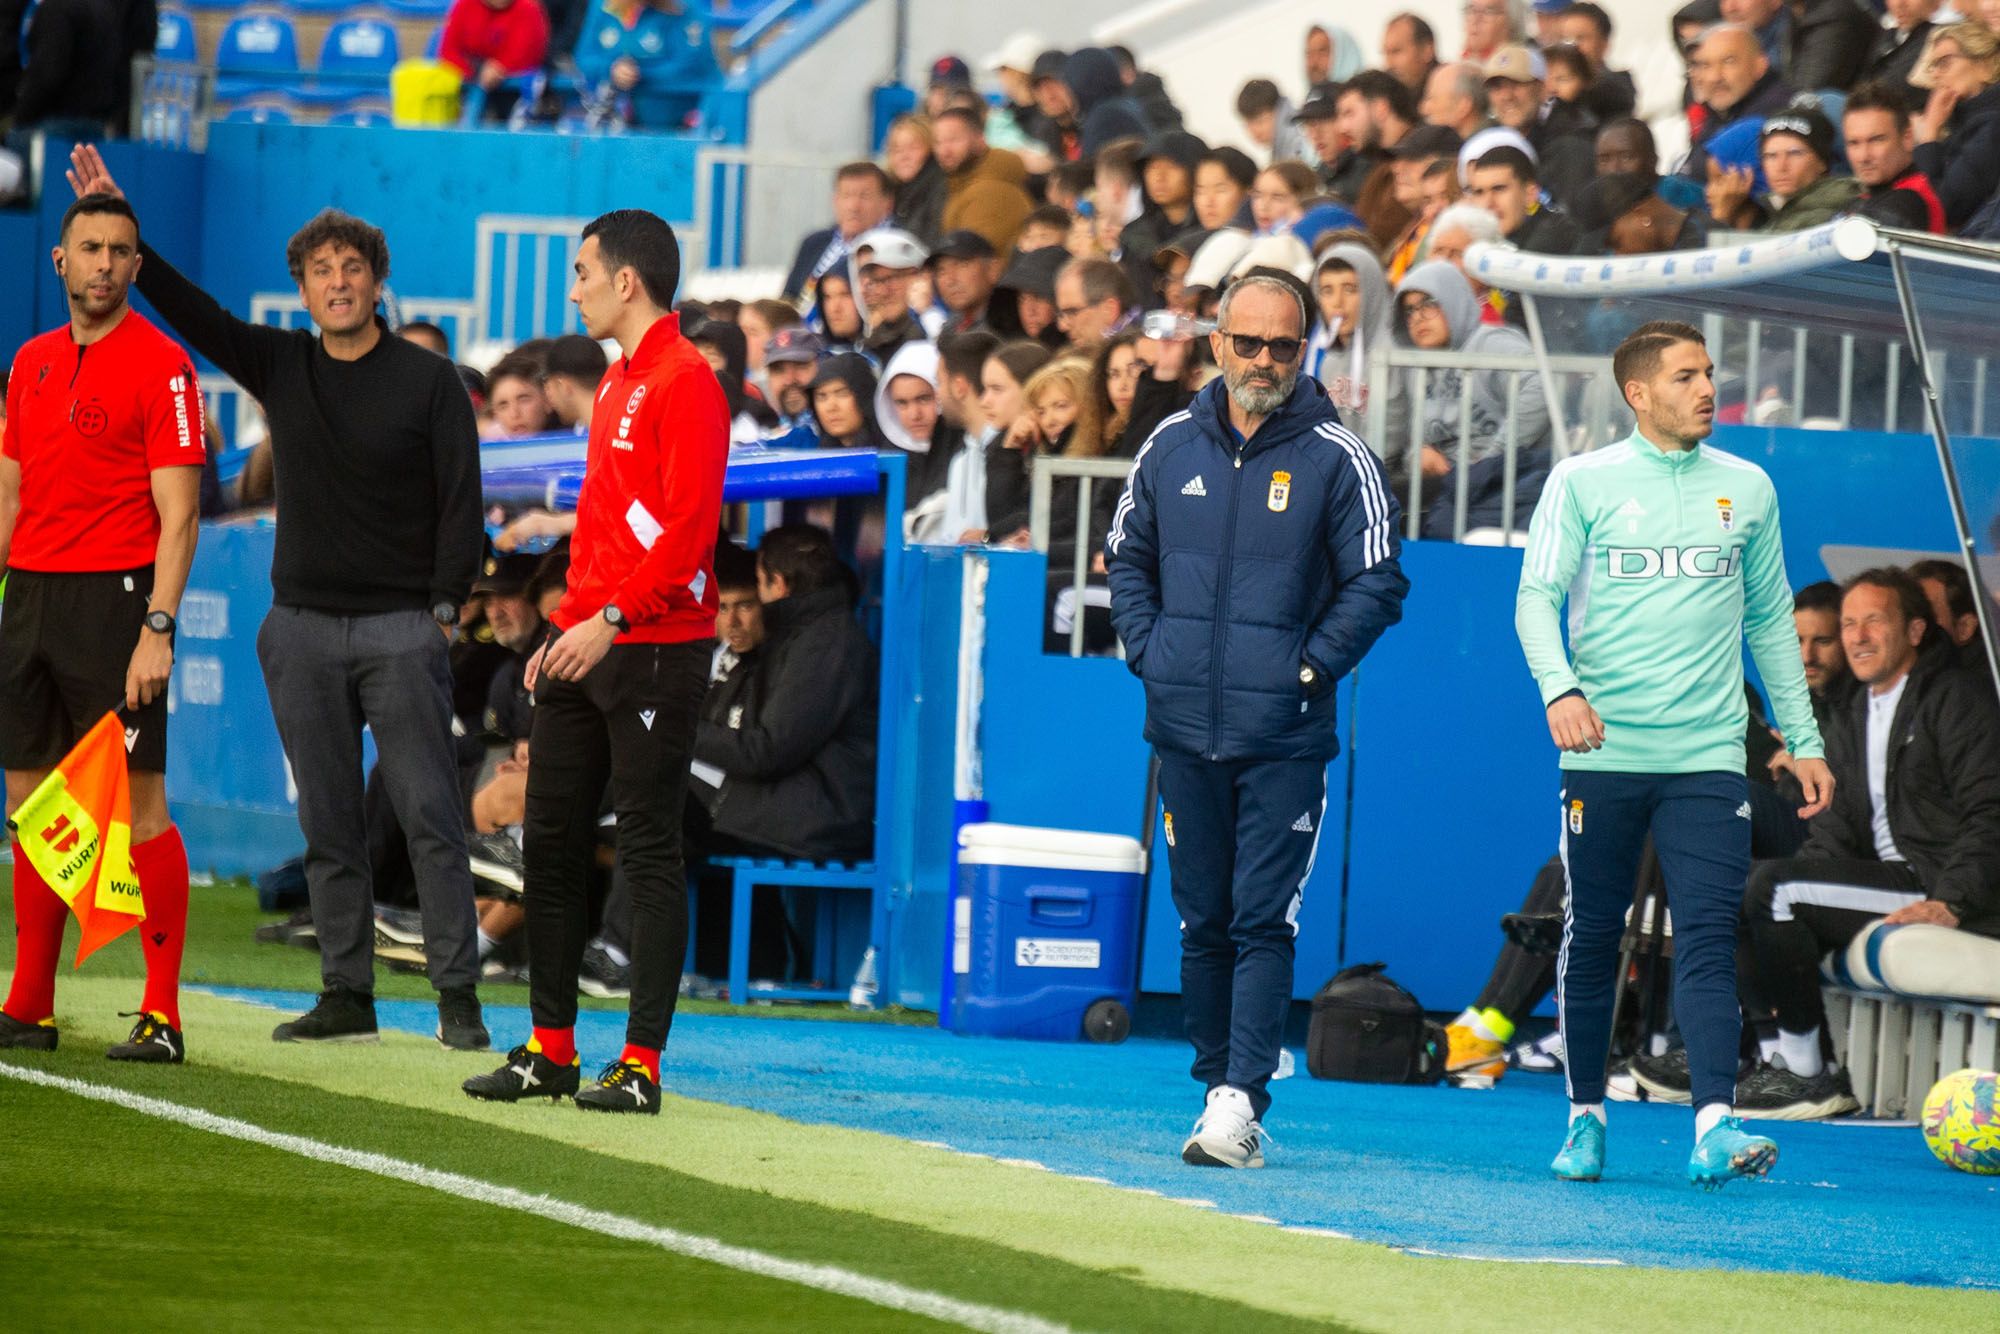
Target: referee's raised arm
[247,353]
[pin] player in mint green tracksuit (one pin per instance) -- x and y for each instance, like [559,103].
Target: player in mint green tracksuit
[1668,552]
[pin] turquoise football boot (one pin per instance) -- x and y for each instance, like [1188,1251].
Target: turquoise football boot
[1729,1151]
[1582,1156]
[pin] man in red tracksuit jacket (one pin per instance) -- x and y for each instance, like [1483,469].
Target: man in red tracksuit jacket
[617,696]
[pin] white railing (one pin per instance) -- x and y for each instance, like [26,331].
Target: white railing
[1042,475]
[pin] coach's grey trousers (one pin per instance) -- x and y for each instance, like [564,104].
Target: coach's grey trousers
[328,674]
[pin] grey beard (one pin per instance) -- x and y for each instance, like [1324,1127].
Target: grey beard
[1257,401]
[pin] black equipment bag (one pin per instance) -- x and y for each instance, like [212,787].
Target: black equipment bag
[1368,1029]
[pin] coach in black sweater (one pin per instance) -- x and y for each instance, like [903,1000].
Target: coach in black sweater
[376,462]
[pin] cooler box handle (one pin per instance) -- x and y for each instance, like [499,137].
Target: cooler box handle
[1059,905]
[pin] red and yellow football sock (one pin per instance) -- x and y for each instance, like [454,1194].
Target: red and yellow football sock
[646,1058]
[558,1044]
[162,867]
[39,918]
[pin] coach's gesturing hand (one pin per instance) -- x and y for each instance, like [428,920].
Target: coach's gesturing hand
[571,657]
[1816,780]
[1575,726]
[88,174]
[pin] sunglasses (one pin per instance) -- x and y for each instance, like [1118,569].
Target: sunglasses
[1284,351]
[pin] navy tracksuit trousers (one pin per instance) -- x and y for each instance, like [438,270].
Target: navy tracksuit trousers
[1701,830]
[1240,842]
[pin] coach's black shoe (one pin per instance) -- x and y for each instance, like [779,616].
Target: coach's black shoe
[527,1074]
[153,1041]
[27,1037]
[1664,1077]
[1773,1093]
[622,1086]
[340,1016]
[460,1025]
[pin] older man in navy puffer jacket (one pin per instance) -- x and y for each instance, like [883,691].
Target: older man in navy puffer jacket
[1252,561]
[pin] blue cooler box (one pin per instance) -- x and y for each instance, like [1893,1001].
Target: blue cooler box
[1046,933]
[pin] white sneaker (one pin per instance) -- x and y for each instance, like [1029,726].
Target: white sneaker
[1227,1133]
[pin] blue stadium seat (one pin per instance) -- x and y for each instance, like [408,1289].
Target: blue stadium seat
[265,43]
[216,6]
[257,54]
[318,8]
[359,46]
[418,9]
[175,42]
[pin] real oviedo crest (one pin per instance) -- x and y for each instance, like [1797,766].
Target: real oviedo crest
[1281,492]
[1725,514]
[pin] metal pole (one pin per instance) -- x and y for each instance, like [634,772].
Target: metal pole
[1846,380]
[1982,601]
[1081,565]
[1532,313]
[1462,463]
[1512,460]
[1799,376]
[1894,387]
[1419,391]
[1039,499]
[1752,368]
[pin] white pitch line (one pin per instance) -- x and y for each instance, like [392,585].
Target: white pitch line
[826,1278]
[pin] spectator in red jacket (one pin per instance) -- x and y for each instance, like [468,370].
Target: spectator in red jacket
[491,41]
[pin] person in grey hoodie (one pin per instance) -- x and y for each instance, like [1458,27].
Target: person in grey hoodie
[1353,329]
[1437,312]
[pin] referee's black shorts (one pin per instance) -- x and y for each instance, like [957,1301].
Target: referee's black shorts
[66,641]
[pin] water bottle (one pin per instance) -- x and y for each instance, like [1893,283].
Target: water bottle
[861,996]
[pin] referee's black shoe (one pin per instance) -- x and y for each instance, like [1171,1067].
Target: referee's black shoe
[26,1037]
[622,1086]
[340,1016]
[527,1074]
[154,1041]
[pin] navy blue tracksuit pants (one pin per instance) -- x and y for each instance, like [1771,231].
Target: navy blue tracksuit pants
[1240,842]
[1701,830]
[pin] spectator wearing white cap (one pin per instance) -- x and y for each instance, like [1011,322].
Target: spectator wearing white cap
[887,260]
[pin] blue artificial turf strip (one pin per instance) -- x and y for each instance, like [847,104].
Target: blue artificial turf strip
[1459,1172]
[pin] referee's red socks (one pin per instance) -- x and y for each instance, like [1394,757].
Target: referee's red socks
[161,864]
[39,918]
[558,1044]
[646,1058]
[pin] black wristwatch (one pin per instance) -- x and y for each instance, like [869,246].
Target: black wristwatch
[617,619]
[445,613]
[160,622]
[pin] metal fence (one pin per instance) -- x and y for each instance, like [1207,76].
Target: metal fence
[1041,501]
